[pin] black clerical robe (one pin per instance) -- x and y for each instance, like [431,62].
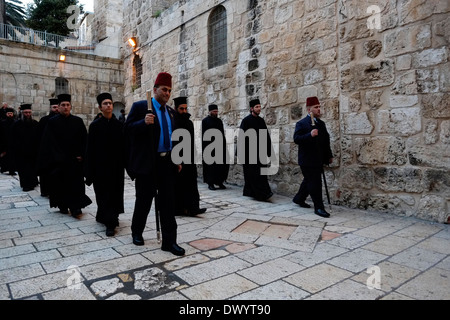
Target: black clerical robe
[256,184]
[24,143]
[215,173]
[105,168]
[61,155]
[186,189]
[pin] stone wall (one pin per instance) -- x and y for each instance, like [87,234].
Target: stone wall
[381,72]
[28,73]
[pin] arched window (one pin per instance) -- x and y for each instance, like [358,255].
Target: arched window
[61,86]
[217,37]
[137,72]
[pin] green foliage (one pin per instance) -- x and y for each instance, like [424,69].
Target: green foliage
[51,16]
[14,13]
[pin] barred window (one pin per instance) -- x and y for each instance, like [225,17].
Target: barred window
[217,37]
[61,86]
[137,71]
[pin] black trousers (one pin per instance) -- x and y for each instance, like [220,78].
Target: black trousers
[146,190]
[311,185]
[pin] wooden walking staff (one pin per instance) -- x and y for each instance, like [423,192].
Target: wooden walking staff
[157,213]
[313,123]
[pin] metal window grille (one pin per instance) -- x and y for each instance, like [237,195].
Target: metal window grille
[61,86]
[137,71]
[217,37]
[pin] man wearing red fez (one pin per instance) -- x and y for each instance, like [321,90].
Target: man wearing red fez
[148,131]
[314,151]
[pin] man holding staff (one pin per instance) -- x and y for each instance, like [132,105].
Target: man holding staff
[314,151]
[148,129]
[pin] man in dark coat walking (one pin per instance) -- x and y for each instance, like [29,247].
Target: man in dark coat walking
[43,178]
[253,126]
[24,146]
[186,188]
[149,163]
[61,155]
[314,151]
[6,156]
[214,174]
[105,164]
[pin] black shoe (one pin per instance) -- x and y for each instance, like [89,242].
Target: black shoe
[322,213]
[197,211]
[63,210]
[110,232]
[302,204]
[174,249]
[138,240]
[221,186]
[76,213]
[211,187]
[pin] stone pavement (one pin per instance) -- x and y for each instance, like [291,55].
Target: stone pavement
[240,249]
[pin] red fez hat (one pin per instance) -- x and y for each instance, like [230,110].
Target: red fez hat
[163,79]
[312,101]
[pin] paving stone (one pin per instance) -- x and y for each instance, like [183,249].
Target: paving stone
[153,280]
[80,260]
[431,285]
[211,270]
[392,275]
[112,267]
[350,241]
[417,258]
[262,254]
[321,253]
[186,261]
[124,296]
[107,287]
[270,271]
[82,293]
[357,260]
[219,289]
[419,231]
[313,279]
[40,284]
[389,245]
[348,290]
[278,290]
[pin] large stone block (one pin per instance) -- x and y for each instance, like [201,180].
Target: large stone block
[409,39]
[381,150]
[400,121]
[368,75]
[392,179]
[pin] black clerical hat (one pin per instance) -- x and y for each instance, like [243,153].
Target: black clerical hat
[103,96]
[25,106]
[64,97]
[179,101]
[54,101]
[212,107]
[254,102]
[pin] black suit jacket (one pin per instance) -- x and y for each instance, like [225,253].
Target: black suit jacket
[312,151]
[142,140]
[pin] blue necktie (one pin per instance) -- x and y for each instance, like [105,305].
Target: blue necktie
[165,128]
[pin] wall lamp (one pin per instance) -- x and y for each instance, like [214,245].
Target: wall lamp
[62,57]
[132,42]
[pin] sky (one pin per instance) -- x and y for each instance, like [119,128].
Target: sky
[87,4]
